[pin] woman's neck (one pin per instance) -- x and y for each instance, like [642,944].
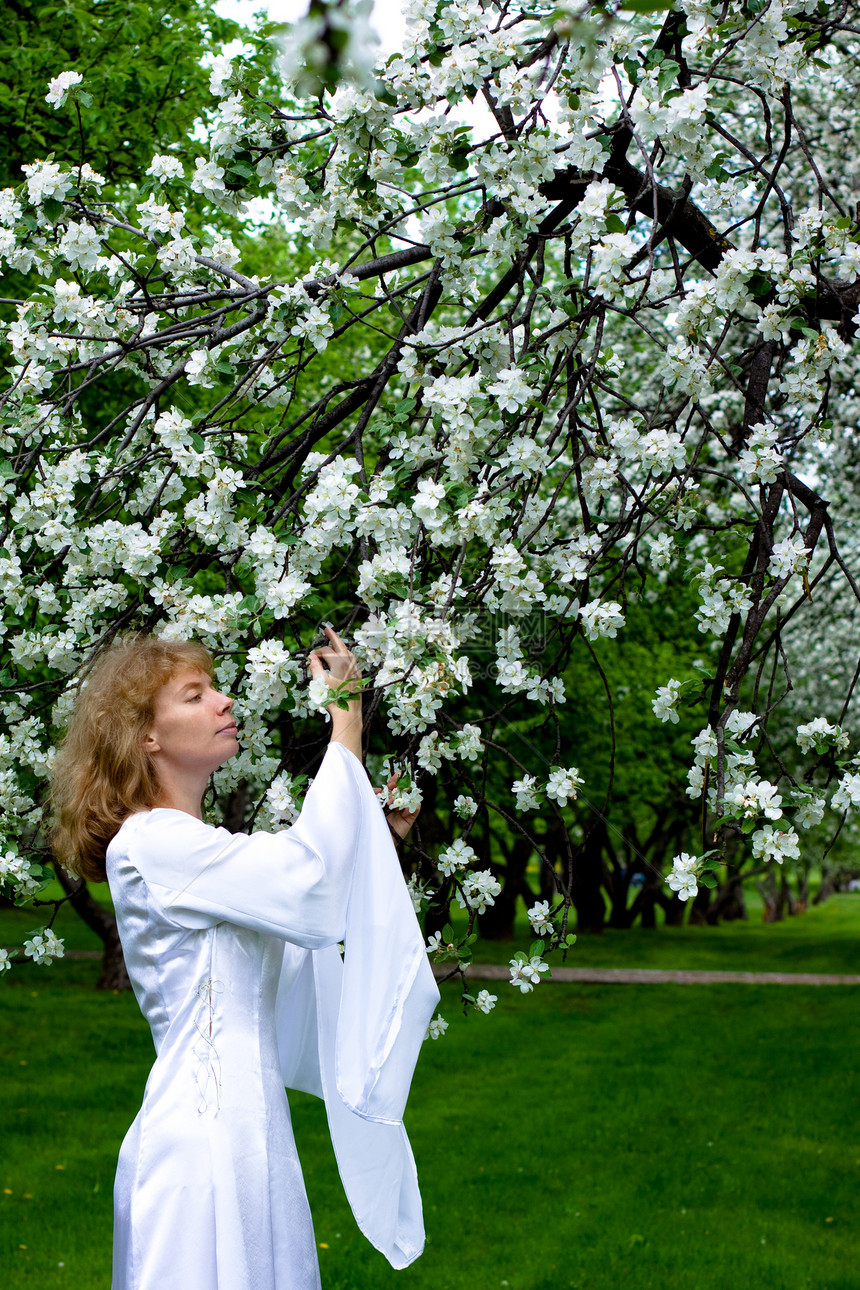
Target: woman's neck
[181,792]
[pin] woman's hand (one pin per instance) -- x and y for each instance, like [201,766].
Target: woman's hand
[400,820]
[342,669]
[342,665]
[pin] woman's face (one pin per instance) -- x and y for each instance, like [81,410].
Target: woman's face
[192,728]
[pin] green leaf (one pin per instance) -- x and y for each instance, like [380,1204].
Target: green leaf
[384,95]
[668,73]
[759,285]
[614,224]
[646,6]
[52,208]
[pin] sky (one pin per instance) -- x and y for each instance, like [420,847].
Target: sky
[387,17]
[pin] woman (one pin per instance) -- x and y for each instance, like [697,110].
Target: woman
[231,944]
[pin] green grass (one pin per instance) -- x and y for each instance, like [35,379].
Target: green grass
[604,1138]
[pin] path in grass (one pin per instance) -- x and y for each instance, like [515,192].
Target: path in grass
[627,976]
[658,976]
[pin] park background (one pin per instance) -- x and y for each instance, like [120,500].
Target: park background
[699,1136]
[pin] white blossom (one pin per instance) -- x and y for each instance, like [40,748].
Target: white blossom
[459,855]
[526,975]
[756,798]
[789,556]
[59,86]
[164,167]
[562,784]
[601,618]
[682,879]
[769,843]
[847,792]
[527,793]
[811,734]
[465,806]
[539,917]
[665,704]
[478,889]
[45,179]
[44,947]
[437,1027]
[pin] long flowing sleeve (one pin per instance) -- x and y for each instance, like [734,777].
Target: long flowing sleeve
[351,1031]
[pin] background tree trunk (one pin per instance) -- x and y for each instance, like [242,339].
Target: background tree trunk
[103,922]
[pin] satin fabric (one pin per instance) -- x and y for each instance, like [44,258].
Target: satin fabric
[231,943]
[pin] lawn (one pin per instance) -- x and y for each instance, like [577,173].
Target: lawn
[585,1136]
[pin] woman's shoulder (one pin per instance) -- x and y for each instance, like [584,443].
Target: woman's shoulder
[157,822]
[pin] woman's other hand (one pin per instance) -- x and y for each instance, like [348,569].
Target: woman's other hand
[400,820]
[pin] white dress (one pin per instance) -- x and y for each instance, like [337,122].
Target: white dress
[231,943]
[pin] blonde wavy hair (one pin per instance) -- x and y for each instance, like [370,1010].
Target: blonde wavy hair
[101,773]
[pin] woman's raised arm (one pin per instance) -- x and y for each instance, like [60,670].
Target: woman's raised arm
[294,883]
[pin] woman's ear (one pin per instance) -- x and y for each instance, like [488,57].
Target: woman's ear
[150,744]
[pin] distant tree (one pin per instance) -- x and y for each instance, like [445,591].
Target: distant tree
[145,80]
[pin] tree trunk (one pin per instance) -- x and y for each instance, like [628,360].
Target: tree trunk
[103,923]
[644,907]
[729,904]
[802,901]
[786,895]
[588,878]
[674,909]
[773,907]
[497,921]
[619,893]
[700,910]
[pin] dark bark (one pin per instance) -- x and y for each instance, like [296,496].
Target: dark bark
[589,876]
[729,902]
[776,899]
[700,910]
[644,907]
[103,922]
[497,921]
